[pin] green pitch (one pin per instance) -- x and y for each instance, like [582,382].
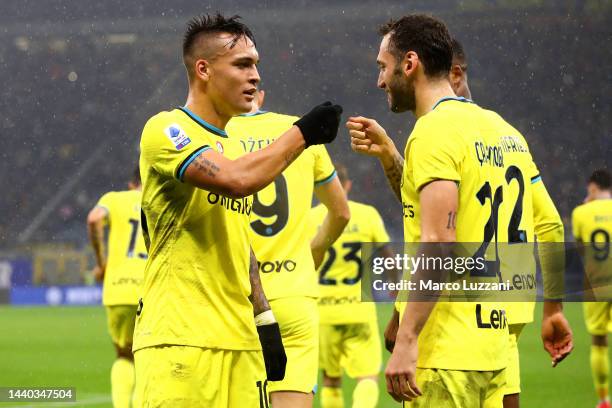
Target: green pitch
[69,347]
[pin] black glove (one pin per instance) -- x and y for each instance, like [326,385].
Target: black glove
[273,351]
[320,125]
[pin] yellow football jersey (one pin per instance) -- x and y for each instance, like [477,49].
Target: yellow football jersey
[279,227]
[491,163]
[196,282]
[340,272]
[126,250]
[592,224]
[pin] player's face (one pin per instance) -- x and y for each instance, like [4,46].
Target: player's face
[233,76]
[398,86]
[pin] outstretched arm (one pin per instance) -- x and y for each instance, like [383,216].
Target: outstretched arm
[250,173]
[333,197]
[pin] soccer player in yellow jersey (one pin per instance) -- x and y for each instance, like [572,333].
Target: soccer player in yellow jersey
[349,338]
[121,271]
[548,229]
[202,309]
[445,353]
[280,237]
[592,227]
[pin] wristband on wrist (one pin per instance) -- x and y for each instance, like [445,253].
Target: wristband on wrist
[265,318]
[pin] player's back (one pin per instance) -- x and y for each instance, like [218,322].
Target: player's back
[491,164]
[592,224]
[341,271]
[126,249]
[279,227]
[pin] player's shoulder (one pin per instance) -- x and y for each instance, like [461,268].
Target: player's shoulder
[109,199]
[165,118]
[580,210]
[165,122]
[447,116]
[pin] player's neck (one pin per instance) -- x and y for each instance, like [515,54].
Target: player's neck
[603,195]
[202,106]
[428,92]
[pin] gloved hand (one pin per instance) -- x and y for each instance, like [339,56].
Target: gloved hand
[272,347]
[320,125]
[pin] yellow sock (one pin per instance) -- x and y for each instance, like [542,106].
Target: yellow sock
[600,367]
[331,397]
[122,382]
[365,394]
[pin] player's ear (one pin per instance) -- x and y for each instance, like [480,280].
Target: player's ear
[456,73]
[202,69]
[410,62]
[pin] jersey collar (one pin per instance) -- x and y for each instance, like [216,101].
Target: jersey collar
[452,98]
[202,122]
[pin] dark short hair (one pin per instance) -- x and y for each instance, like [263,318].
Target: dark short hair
[136,175]
[459,53]
[425,35]
[601,178]
[207,24]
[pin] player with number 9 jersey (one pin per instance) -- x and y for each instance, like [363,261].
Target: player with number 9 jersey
[280,236]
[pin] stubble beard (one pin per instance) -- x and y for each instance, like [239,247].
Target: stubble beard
[401,92]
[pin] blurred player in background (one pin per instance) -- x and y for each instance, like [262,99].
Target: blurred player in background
[196,336]
[442,170]
[548,229]
[592,226]
[122,273]
[279,233]
[349,338]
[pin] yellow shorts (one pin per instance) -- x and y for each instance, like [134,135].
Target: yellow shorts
[598,317]
[121,320]
[352,347]
[513,371]
[298,318]
[195,377]
[459,389]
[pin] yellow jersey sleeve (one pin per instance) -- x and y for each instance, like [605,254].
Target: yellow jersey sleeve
[324,170]
[169,148]
[435,158]
[106,202]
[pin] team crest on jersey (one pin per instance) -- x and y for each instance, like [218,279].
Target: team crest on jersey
[219,147]
[177,136]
